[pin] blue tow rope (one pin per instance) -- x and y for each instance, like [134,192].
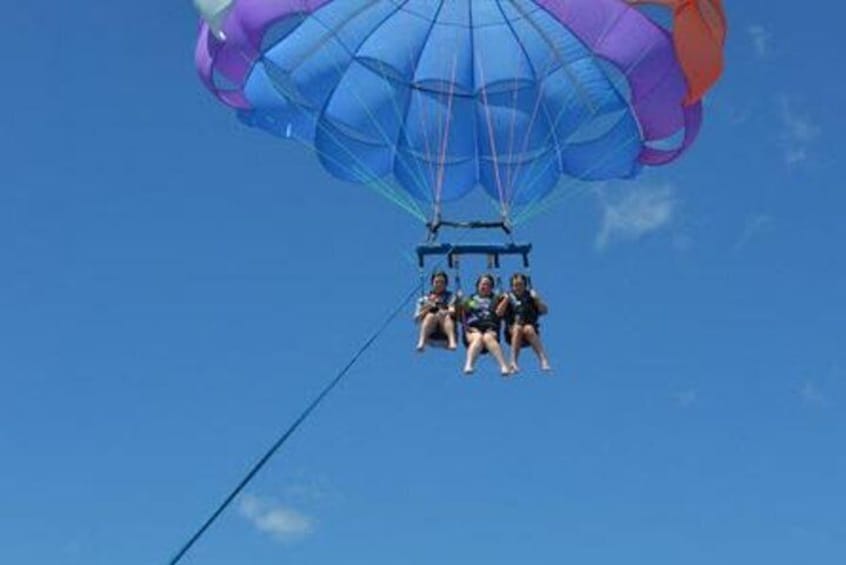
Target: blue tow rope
[292,428]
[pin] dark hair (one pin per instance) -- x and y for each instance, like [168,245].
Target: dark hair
[520,276]
[483,276]
[437,274]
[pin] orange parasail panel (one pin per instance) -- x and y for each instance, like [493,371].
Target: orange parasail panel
[699,35]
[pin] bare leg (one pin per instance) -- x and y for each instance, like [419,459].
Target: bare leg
[448,326]
[427,326]
[535,341]
[493,347]
[516,342]
[473,350]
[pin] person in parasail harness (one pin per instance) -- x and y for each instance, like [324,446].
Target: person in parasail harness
[521,311]
[436,314]
[482,325]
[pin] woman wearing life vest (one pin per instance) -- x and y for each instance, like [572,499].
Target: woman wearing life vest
[482,325]
[436,314]
[521,311]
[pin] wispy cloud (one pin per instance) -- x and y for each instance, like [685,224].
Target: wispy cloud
[310,491]
[761,38]
[755,226]
[283,523]
[799,131]
[811,394]
[737,116]
[635,213]
[685,398]
[73,547]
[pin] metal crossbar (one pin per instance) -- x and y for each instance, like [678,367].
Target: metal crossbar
[492,251]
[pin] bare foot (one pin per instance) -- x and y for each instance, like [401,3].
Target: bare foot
[514,367]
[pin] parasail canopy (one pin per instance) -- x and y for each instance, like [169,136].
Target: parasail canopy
[428,99]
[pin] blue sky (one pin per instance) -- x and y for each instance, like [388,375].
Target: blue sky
[175,288]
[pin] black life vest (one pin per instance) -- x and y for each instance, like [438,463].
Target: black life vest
[522,309]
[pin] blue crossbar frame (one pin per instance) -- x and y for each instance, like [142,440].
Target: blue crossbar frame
[487,250]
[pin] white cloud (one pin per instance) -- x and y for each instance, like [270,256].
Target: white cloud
[635,213]
[281,522]
[761,37]
[798,133]
[755,226]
